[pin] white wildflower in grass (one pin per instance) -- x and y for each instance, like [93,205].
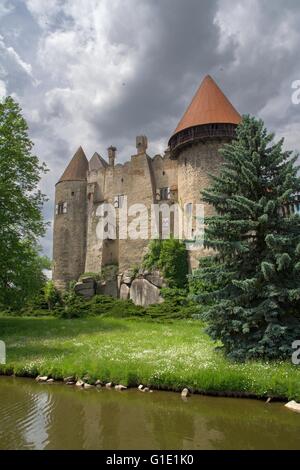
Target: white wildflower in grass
[176,354]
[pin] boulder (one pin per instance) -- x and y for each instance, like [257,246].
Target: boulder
[119,280]
[87,293]
[108,385]
[155,278]
[41,378]
[86,289]
[140,387]
[142,292]
[98,383]
[71,378]
[109,287]
[146,389]
[50,381]
[71,382]
[79,383]
[293,406]
[88,280]
[124,292]
[120,387]
[127,277]
[87,386]
[185,393]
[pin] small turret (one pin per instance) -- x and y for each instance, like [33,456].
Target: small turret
[141,144]
[112,155]
[69,234]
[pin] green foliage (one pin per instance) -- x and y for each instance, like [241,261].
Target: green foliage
[169,256]
[201,281]
[252,282]
[151,259]
[52,295]
[75,306]
[109,271]
[72,306]
[21,221]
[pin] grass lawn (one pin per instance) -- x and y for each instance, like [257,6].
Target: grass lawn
[132,351]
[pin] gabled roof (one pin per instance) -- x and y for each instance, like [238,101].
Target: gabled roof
[77,168]
[209,106]
[97,162]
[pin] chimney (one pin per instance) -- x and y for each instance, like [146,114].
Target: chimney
[111,155]
[141,144]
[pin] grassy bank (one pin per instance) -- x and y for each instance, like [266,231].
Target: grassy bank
[132,351]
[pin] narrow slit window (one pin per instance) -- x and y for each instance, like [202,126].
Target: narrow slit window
[164,194]
[61,208]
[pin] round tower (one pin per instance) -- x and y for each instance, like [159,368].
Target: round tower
[208,123]
[70,222]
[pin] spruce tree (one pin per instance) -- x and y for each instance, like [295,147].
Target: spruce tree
[255,269]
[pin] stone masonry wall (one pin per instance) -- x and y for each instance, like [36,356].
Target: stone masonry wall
[69,246]
[195,163]
[76,246]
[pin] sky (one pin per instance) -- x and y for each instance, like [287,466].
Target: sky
[97,73]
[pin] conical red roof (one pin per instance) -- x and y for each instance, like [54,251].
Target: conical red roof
[209,106]
[77,168]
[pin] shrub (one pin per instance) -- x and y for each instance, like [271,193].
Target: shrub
[170,257]
[51,295]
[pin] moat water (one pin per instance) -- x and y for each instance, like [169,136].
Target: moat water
[44,416]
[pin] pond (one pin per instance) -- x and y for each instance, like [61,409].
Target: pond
[56,416]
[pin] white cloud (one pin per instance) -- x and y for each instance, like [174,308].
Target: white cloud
[5,8]
[13,56]
[96,73]
[3,91]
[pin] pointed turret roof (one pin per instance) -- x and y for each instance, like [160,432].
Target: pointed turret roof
[97,162]
[209,106]
[77,168]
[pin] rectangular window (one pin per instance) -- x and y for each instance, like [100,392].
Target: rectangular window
[61,208]
[164,194]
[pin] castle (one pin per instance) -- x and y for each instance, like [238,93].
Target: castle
[178,176]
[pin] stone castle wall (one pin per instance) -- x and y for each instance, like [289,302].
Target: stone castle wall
[69,246]
[76,245]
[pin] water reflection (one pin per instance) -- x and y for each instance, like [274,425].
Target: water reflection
[41,416]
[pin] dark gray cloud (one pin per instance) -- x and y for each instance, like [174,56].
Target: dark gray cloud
[96,73]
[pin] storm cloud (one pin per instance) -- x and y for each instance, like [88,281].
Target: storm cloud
[96,73]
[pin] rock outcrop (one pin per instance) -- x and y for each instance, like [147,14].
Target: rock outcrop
[142,292]
[293,406]
[86,287]
[142,288]
[124,292]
